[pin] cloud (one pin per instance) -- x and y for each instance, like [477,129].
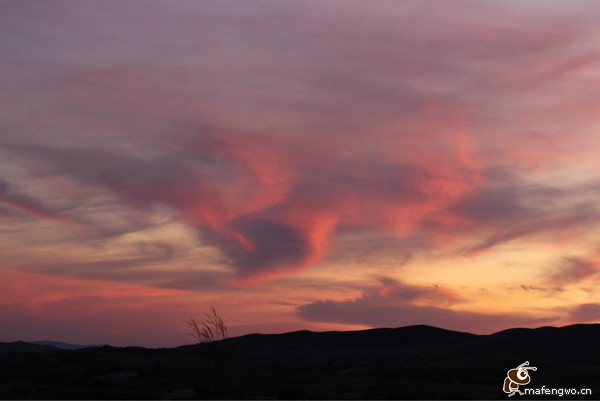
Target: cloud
[586,313]
[25,204]
[397,305]
[271,212]
[574,270]
[550,223]
[508,207]
[506,199]
[537,288]
[272,129]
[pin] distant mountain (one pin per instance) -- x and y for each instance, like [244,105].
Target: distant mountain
[40,346]
[21,346]
[61,345]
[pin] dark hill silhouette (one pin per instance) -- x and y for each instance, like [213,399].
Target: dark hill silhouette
[61,345]
[543,341]
[374,338]
[415,362]
[22,346]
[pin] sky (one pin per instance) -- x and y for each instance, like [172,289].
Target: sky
[319,165]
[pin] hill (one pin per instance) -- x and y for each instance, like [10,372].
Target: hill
[61,345]
[22,346]
[415,362]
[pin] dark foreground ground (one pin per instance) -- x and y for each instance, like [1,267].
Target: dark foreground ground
[416,362]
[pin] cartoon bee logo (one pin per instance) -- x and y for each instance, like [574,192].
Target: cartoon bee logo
[516,377]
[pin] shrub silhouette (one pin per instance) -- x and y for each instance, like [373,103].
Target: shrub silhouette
[211,329]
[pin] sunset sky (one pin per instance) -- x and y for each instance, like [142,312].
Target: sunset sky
[320,165]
